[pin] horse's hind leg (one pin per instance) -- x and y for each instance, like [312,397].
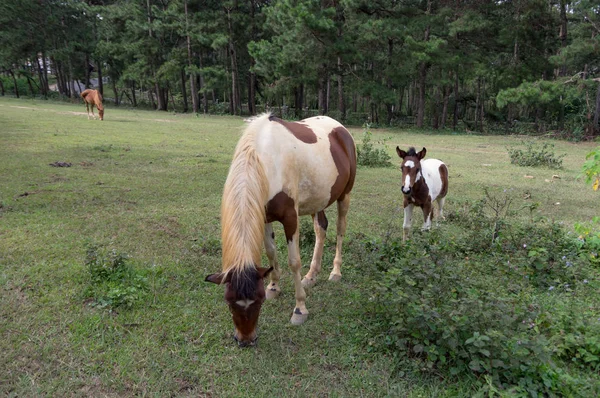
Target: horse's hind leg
[440,214]
[273,289]
[343,205]
[320,225]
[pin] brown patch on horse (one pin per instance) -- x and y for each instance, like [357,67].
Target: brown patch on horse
[444,177]
[300,131]
[322,220]
[282,208]
[343,153]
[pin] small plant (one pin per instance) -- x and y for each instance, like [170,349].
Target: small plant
[369,156]
[535,156]
[113,281]
[591,169]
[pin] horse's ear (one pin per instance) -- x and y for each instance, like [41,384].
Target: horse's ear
[215,278]
[400,152]
[422,153]
[263,272]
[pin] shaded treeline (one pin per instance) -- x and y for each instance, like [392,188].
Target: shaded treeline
[531,64]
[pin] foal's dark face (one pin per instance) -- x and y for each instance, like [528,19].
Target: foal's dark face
[244,294]
[411,168]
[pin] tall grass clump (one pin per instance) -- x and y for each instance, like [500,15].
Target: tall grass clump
[513,304]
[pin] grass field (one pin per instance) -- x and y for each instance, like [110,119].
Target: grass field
[149,184]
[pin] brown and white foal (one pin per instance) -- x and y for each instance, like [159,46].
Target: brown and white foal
[423,181]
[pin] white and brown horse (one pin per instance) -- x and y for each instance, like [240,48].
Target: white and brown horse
[280,171]
[93,98]
[423,182]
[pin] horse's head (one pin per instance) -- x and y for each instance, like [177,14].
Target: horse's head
[411,167]
[244,293]
[101,113]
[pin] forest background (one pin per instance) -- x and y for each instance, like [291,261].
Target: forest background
[524,66]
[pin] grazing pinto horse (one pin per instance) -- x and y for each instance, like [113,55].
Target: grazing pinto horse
[423,181]
[91,98]
[280,171]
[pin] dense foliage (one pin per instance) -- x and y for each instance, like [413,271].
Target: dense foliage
[527,65]
[512,303]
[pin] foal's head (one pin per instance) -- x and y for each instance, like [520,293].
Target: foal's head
[411,167]
[244,293]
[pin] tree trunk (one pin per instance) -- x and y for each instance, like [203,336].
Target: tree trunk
[236,105]
[563,33]
[595,125]
[298,100]
[87,71]
[1,88]
[184,91]
[477,99]
[16,88]
[445,106]
[134,100]
[341,102]
[41,77]
[423,77]
[114,87]
[322,90]
[151,98]
[252,75]
[455,112]
[45,71]
[435,120]
[100,82]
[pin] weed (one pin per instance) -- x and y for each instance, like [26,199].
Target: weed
[535,156]
[369,156]
[113,281]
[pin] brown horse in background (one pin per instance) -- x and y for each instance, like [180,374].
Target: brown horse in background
[91,98]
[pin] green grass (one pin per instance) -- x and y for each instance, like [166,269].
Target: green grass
[149,184]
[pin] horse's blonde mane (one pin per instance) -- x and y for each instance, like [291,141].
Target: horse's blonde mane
[243,206]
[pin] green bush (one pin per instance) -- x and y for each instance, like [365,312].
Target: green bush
[369,156]
[498,305]
[113,281]
[536,156]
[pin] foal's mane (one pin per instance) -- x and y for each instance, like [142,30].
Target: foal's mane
[243,206]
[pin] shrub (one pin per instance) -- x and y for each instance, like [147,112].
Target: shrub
[535,156]
[369,156]
[113,281]
[488,306]
[591,169]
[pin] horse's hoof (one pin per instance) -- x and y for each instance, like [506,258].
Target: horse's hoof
[298,318]
[309,282]
[272,292]
[335,277]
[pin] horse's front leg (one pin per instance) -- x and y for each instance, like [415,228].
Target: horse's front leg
[87,108]
[320,226]
[273,289]
[427,215]
[408,211]
[343,205]
[292,233]
[93,115]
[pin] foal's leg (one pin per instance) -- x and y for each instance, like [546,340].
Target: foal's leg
[92,106]
[441,202]
[87,108]
[320,226]
[273,289]
[408,211]
[427,214]
[343,205]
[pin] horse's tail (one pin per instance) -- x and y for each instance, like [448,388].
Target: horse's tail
[243,206]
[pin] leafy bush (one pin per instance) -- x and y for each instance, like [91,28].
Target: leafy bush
[591,169]
[535,156]
[113,281]
[369,156]
[496,306]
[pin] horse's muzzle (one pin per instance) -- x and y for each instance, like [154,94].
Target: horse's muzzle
[406,191]
[246,343]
